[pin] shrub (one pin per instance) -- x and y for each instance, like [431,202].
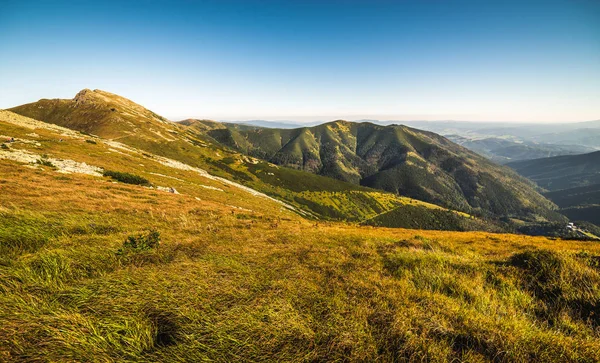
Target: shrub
[126,177]
[142,241]
[91,142]
[4,146]
[45,162]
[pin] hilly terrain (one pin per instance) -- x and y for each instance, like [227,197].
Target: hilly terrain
[113,252]
[119,120]
[502,150]
[572,182]
[396,159]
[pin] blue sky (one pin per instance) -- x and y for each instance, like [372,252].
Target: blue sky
[311,60]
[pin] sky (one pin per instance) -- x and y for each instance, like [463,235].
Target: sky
[508,61]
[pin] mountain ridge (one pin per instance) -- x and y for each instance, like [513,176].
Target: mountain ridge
[394,158]
[119,119]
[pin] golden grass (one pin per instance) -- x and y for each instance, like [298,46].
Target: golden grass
[251,286]
[261,283]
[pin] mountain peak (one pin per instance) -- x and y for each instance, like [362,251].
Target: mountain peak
[100,113]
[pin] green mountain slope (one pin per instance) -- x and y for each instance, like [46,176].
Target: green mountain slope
[118,119]
[396,159]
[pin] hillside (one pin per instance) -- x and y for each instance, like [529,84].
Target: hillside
[120,120]
[505,150]
[562,172]
[573,183]
[397,159]
[188,266]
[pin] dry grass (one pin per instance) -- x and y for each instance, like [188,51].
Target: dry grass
[238,278]
[249,286]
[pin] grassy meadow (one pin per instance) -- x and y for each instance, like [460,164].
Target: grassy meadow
[227,284]
[93,269]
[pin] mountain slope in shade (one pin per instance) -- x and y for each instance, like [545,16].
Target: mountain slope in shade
[561,172]
[397,159]
[573,183]
[504,150]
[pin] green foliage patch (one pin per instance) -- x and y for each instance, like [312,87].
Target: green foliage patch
[144,241]
[127,178]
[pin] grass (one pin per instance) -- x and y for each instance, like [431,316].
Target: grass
[43,161]
[127,178]
[238,278]
[250,287]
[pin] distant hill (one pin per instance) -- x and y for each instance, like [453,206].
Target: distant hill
[396,159]
[573,183]
[561,172]
[505,150]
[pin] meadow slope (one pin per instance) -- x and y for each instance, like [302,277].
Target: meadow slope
[236,276]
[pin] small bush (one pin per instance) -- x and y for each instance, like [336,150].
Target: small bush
[126,177]
[5,147]
[45,162]
[91,142]
[142,241]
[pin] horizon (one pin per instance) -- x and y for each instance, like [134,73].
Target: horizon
[308,61]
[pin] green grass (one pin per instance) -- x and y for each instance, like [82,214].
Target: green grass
[43,161]
[127,178]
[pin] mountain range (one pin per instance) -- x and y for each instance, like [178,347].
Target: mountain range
[192,142]
[499,141]
[128,237]
[385,175]
[397,159]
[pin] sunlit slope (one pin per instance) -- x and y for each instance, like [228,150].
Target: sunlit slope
[397,159]
[120,120]
[239,277]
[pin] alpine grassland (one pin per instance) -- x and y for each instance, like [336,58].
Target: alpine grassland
[96,270]
[148,250]
[226,284]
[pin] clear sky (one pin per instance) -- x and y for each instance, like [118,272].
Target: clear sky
[481,60]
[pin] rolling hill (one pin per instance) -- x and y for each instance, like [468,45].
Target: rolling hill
[123,122]
[185,265]
[397,159]
[573,183]
[561,172]
[503,151]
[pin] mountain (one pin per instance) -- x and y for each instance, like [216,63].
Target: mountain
[111,252]
[561,172]
[505,150]
[397,159]
[573,183]
[126,124]
[100,113]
